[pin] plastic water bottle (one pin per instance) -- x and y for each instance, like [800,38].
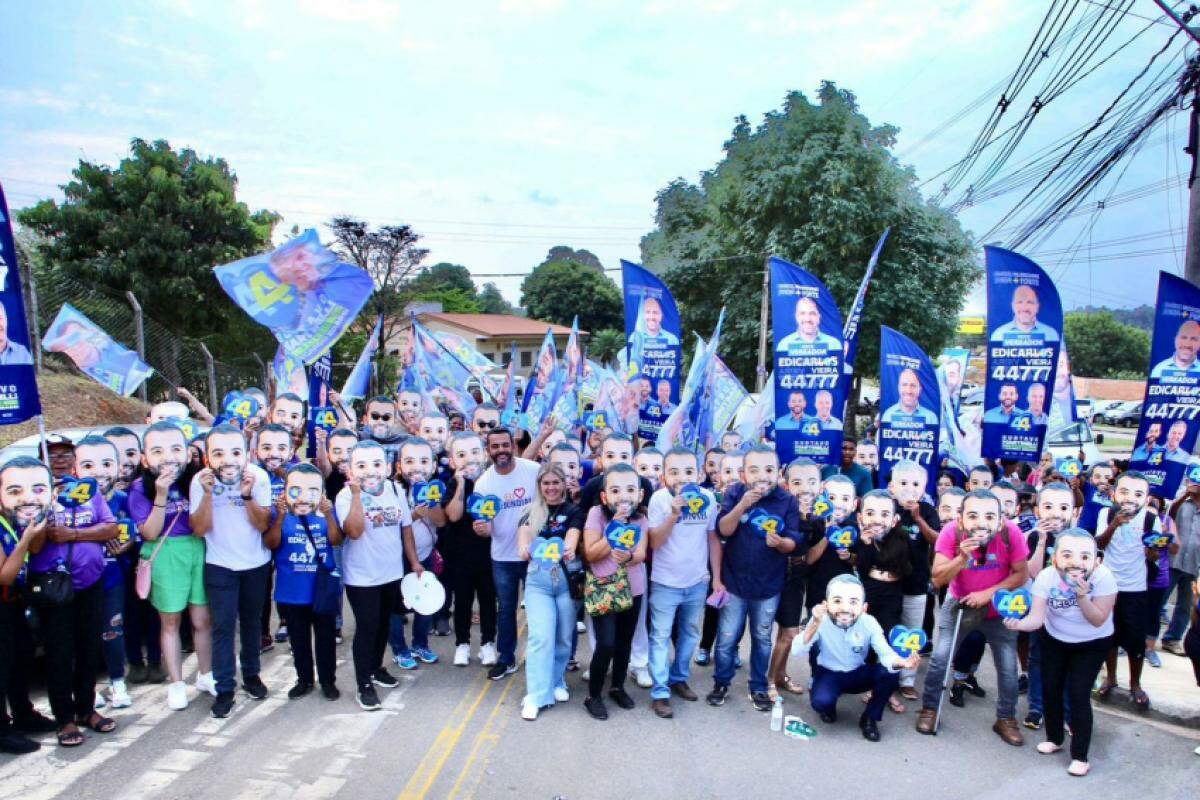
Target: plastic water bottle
[777,715]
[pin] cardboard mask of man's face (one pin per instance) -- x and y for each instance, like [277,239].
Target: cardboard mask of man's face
[303,492]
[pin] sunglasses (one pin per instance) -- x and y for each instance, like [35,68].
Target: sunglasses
[488,424]
[381,417]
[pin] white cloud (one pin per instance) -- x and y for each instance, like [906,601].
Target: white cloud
[373,11]
[530,6]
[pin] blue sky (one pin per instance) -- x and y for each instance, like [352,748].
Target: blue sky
[499,129]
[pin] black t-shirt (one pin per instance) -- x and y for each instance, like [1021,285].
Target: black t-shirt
[560,520]
[334,484]
[589,496]
[917,581]
[891,553]
[826,568]
[458,540]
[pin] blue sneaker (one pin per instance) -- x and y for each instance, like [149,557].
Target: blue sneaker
[703,658]
[425,655]
[737,662]
[404,660]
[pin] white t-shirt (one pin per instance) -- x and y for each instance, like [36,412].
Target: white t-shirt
[233,542]
[1064,620]
[424,532]
[682,561]
[376,557]
[1125,554]
[516,491]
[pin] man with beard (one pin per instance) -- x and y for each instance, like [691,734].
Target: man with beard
[288,411]
[860,474]
[712,467]
[417,466]
[485,417]
[976,557]
[333,458]
[231,508]
[918,520]
[842,632]
[376,521]
[96,458]
[649,464]
[565,456]
[273,451]
[129,455]
[435,429]
[409,406]
[1097,495]
[470,553]
[25,494]
[1004,412]
[381,424]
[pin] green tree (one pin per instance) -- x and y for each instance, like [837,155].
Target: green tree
[443,275]
[815,184]
[453,299]
[558,291]
[561,252]
[157,225]
[603,346]
[1102,347]
[492,302]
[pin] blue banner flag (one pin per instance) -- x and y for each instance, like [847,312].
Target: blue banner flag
[95,352]
[1062,402]
[566,407]
[508,390]
[1024,331]
[910,403]
[289,373]
[1171,410]
[690,424]
[808,366]
[959,442]
[850,331]
[480,365]
[300,291]
[652,331]
[755,416]
[359,380]
[541,390]
[19,399]
[728,395]
[320,374]
[440,377]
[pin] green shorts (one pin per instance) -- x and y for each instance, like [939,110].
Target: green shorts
[177,579]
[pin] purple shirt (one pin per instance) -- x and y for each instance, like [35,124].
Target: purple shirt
[176,518]
[87,558]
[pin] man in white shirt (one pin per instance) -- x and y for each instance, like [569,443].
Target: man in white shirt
[230,508]
[682,536]
[514,481]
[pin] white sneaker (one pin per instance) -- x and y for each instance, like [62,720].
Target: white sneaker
[580,627]
[587,675]
[529,710]
[177,698]
[118,695]
[206,683]
[643,677]
[488,655]
[99,701]
[462,655]
[561,695]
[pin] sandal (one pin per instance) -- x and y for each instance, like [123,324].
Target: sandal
[1141,700]
[70,738]
[896,706]
[1104,693]
[98,723]
[910,693]
[791,686]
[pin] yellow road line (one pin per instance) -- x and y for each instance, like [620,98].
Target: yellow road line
[485,736]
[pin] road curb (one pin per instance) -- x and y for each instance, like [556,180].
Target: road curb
[1164,711]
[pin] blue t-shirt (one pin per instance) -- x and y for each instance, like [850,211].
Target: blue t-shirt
[116,567]
[296,559]
[1089,515]
[750,569]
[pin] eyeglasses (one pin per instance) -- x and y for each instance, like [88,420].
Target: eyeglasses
[381,417]
[487,424]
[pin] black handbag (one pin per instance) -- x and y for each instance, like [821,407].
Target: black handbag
[52,589]
[576,578]
[327,593]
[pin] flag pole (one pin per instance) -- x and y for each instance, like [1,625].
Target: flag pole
[41,423]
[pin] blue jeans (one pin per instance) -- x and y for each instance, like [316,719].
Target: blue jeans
[1035,673]
[1183,605]
[421,626]
[550,613]
[235,601]
[1004,653]
[507,576]
[668,605]
[761,614]
[112,636]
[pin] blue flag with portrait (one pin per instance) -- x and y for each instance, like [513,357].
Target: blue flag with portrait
[541,390]
[567,406]
[850,331]
[1024,332]
[300,291]
[652,332]
[509,406]
[910,401]
[320,374]
[1171,410]
[19,399]
[359,380]
[289,373]
[95,352]
[440,377]
[1062,402]
[809,365]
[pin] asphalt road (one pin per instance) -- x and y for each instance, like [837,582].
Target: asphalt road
[448,732]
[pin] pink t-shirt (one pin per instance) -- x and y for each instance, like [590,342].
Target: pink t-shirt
[597,521]
[974,576]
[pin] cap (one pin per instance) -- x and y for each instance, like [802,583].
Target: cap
[57,439]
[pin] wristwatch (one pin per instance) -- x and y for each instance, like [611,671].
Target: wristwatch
[247,498]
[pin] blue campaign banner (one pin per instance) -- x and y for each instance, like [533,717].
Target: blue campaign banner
[19,399]
[807,330]
[911,402]
[541,390]
[727,395]
[1024,332]
[652,330]
[289,373]
[95,352]
[320,374]
[566,407]
[359,380]
[1167,433]
[850,331]
[508,390]
[442,378]
[469,356]
[1062,401]
[300,291]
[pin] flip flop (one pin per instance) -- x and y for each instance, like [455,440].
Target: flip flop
[1141,700]
[1104,693]
[98,723]
[791,686]
[70,739]
[896,706]
[910,693]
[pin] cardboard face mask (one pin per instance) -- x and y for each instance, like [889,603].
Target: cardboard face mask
[303,493]
[1074,558]
[844,602]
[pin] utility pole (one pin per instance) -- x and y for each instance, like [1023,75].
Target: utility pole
[760,376]
[1191,263]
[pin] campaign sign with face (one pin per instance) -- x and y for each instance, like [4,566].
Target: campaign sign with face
[652,331]
[809,399]
[1024,332]
[911,400]
[18,385]
[95,352]
[1167,433]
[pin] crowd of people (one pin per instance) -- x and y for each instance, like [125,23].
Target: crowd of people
[124,551]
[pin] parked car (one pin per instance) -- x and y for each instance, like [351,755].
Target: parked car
[1076,440]
[1126,415]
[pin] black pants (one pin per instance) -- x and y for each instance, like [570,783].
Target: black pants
[1070,667]
[16,661]
[304,626]
[373,608]
[886,601]
[472,580]
[235,599]
[142,628]
[614,641]
[1191,646]
[69,635]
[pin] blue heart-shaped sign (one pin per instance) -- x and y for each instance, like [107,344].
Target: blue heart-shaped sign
[695,500]
[843,537]
[1069,467]
[622,536]
[126,530]
[822,506]
[483,506]
[241,406]
[549,551]
[429,493]
[1013,604]
[595,421]
[75,492]
[1156,540]
[907,641]
[1193,473]
[324,418]
[764,523]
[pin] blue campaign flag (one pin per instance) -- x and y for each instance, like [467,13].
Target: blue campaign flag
[566,407]
[850,331]
[359,380]
[289,373]
[1062,402]
[319,376]
[690,424]
[754,417]
[300,291]
[652,329]
[469,356]
[911,402]
[508,390]
[959,442]
[19,399]
[440,377]
[1171,410]
[727,395]
[95,352]
[541,390]
[1024,332]
[808,366]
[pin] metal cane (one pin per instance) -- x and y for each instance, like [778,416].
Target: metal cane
[937,720]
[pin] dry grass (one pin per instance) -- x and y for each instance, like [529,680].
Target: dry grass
[76,401]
